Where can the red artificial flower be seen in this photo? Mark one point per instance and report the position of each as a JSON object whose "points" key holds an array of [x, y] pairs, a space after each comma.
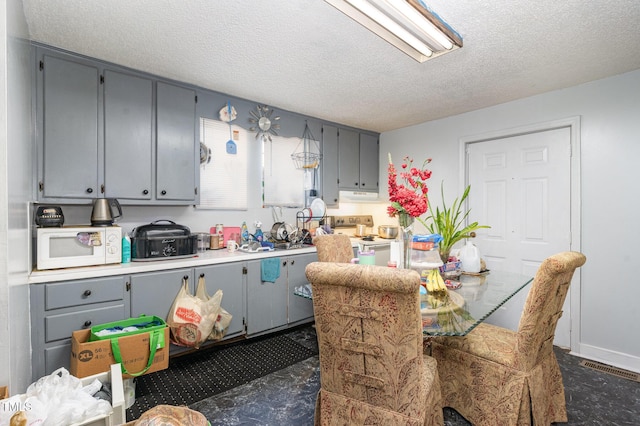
{"points": [[411, 196]]}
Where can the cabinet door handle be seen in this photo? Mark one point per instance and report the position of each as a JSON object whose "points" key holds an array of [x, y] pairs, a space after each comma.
{"points": [[163, 192], [87, 323], [87, 293], [145, 192], [292, 262], [362, 184], [89, 190], [284, 263], [356, 183], [201, 275]]}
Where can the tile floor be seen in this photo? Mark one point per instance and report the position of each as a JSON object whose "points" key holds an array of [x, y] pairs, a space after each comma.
{"points": [[287, 397]]}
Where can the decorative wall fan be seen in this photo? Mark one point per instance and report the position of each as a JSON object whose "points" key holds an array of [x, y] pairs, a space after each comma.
{"points": [[265, 126]]}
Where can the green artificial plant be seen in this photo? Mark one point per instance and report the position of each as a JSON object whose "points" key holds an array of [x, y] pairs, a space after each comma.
{"points": [[450, 223]]}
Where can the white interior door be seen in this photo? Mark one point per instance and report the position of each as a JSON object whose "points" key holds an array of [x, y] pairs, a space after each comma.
{"points": [[521, 187]]}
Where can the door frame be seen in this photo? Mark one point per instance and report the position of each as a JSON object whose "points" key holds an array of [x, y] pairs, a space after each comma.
{"points": [[573, 123]]}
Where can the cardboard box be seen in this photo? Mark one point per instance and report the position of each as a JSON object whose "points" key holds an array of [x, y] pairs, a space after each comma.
{"points": [[88, 358], [118, 415]]}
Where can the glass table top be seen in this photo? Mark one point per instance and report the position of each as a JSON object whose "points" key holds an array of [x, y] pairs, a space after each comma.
{"points": [[479, 296]]}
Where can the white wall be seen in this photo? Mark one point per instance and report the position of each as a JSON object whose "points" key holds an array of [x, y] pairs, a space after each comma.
{"points": [[15, 170], [610, 147], [4, 288]]}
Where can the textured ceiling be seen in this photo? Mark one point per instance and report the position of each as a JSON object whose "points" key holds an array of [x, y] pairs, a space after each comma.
{"points": [[307, 57]]}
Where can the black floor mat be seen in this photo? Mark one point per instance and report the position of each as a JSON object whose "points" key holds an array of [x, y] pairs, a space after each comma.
{"points": [[194, 377]]}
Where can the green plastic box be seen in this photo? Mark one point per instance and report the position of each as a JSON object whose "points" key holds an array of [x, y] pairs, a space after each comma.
{"points": [[145, 323]]}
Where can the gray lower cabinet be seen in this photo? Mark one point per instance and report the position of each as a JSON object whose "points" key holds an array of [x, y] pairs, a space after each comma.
{"points": [[153, 293], [257, 307], [266, 301], [58, 309], [300, 309], [230, 278], [271, 306]]}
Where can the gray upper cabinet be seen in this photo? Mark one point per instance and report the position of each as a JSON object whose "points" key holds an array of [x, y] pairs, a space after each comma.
{"points": [[369, 162], [103, 131], [357, 161], [348, 159], [128, 136], [70, 98], [330, 166], [176, 148]]}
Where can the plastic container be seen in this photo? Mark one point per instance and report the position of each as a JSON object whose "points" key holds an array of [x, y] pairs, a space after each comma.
{"points": [[470, 258], [126, 249], [258, 234], [244, 234]]}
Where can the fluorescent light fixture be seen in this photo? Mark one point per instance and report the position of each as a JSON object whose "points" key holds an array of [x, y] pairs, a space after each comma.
{"points": [[407, 24]]}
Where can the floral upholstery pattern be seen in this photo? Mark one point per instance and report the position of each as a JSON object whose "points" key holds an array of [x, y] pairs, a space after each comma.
{"points": [[494, 376], [333, 248], [372, 367]]}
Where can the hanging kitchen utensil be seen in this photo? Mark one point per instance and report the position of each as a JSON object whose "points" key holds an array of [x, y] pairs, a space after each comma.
{"points": [[228, 114], [309, 156]]}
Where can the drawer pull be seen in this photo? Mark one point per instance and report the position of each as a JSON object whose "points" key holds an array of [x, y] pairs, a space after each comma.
{"points": [[87, 293], [87, 324]]}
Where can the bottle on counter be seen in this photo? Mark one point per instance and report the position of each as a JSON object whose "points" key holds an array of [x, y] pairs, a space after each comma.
{"points": [[244, 234], [126, 249], [258, 234]]}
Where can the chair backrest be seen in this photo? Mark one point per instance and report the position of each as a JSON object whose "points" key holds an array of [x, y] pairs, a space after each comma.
{"points": [[543, 307], [369, 330], [333, 248]]}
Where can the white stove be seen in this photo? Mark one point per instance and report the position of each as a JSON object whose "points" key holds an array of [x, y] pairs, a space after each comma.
{"points": [[371, 241]]}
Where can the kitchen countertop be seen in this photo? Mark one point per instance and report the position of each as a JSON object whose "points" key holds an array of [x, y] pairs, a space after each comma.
{"points": [[210, 257]]}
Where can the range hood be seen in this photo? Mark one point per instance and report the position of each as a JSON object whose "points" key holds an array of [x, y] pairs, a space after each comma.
{"points": [[358, 197]]}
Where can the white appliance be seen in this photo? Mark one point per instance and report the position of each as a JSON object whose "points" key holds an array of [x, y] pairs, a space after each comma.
{"points": [[358, 197], [348, 224], [71, 246]]}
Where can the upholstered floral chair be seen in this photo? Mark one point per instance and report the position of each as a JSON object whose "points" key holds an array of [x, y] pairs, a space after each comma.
{"points": [[372, 367], [494, 376], [333, 248]]}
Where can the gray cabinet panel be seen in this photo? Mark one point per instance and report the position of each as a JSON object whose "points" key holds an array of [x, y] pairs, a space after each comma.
{"points": [[176, 143], [229, 278], [82, 292], [330, 166], [55, 357], [60, 326], [70, 129], [128, 136], [266, 302], [348, 159], [153, 293], [369, 162], [299, 307]]}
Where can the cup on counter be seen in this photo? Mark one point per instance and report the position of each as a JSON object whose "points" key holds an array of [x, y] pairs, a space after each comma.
{"points": [[365, 258], [232, 246], [214, 241]]}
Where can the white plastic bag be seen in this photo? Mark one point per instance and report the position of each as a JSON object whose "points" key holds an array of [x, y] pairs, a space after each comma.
{"points": [[223, 319], [191, 319], [58, 399]]}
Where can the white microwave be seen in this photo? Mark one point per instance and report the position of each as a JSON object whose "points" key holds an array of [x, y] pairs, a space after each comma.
{"points": [[71, 246]]}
